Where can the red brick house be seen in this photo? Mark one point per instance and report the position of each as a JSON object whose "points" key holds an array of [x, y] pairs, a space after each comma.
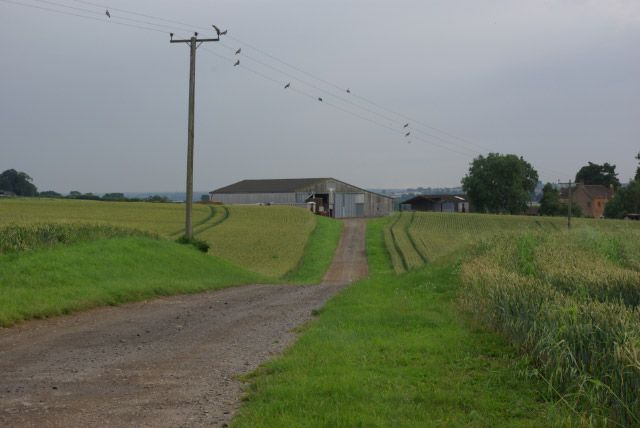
{"points": [[591, 198]]}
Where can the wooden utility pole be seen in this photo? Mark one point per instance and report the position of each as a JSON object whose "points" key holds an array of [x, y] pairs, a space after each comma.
{"points": [[569, 206], [193, 43], [569, 203]]}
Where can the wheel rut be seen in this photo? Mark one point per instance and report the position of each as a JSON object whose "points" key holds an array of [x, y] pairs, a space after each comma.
{"points": [[163, 362]]}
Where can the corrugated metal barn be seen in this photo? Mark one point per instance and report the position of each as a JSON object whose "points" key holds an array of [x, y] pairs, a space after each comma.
{"points": [[326, 196]]}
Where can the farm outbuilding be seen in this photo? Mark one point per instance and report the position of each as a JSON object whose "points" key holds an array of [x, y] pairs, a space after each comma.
{"points": [[326, 196], [439, 203]]}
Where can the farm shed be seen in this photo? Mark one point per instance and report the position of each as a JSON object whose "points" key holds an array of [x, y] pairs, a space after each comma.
{"points": [[326, 196], [439, 203]]}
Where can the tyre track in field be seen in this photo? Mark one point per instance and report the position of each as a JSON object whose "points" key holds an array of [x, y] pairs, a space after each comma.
{"points": [[163, 362]]}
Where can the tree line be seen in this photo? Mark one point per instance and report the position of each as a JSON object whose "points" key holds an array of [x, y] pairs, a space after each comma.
{"points": [[21, 184], [505, 183]]}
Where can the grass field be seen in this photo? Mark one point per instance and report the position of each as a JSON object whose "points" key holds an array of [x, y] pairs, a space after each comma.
{"points": [[268, 240], [64, 279], [59, 256], [396, 351], [421, 237], [163, 219], [568, 299]]}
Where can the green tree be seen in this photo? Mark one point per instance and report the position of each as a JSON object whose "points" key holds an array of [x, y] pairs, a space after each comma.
{"points": [[500, 183], [598, 174], [625, 201], [637, 177], [550, 202], [17, 182]]}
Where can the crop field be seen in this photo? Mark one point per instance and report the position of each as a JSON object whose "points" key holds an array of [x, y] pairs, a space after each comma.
{"points": [[268, 240], [570, 300], [415, 238], [58, 256], [163, 219]]}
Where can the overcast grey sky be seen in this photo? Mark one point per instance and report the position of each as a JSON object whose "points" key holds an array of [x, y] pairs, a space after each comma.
{"points": [[93, 106]]}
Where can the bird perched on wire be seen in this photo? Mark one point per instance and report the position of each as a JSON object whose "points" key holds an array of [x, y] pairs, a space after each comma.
{"points": [[405, 125], [287, 85], [236, 63], [218, 32], [320, 99], [106, 12], [407, 134], [238, 51]]}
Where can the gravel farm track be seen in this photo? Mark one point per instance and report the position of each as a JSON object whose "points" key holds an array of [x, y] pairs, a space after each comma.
{"points": [[163, 362]]}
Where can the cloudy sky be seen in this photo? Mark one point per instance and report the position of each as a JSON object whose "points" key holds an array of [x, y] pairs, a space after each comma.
{"points": [[90, 105]]}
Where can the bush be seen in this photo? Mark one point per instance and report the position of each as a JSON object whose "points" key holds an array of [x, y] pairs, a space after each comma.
{"points": [[198, 243]]}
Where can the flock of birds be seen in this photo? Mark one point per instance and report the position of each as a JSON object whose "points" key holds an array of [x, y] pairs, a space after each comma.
{"points": [[287, 86]]}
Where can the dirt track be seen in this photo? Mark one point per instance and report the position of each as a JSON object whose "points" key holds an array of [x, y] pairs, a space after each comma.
{"points": [[163, 362]]}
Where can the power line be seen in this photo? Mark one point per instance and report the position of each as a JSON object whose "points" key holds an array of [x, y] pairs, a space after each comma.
{"points": [[337, 107], [61, 12], [413, 121], [300, 70], [102, 13]]}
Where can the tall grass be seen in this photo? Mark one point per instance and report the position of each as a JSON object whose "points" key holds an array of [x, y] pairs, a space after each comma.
{"points": [[572, 308], [18, 238]]}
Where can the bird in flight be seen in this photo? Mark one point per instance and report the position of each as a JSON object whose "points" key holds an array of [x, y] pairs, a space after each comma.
{"points": [[348, 91], [287, 85], [320, 99], [107, 13], [236, 63], [238, 51], [218, 32], [405, 125], [407, 134]]}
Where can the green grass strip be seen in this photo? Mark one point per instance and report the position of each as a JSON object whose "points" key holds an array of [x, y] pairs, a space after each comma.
{"points": [[318, 252], [65, 279], [394, 351]]}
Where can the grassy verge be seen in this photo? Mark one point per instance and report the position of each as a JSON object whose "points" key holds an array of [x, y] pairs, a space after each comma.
{"points": [[64, 279], [18, 238], [318, 253], [395, 351]]}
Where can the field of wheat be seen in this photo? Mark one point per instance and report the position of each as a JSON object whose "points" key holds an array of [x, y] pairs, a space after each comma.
{"points": [[163, 219], [570, 299], [268, 240]]}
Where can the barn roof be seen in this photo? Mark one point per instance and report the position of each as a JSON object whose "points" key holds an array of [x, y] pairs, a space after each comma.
{"points": [[282, 185], [593, 191]]}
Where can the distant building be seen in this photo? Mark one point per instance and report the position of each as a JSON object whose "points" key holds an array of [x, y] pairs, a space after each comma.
{"points": [[326, 196], [591, 198], [438, 203], [6, 194]]}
